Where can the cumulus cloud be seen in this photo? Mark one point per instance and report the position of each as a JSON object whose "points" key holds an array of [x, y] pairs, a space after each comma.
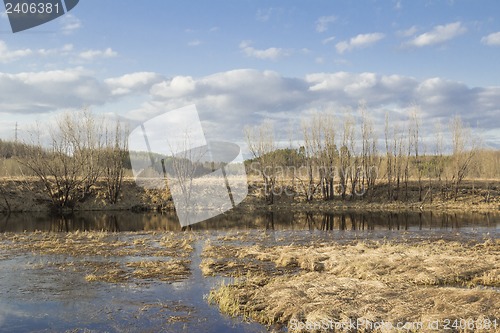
{"points": [[438, 35], [132, 83], [324, 22], [90, 55], [38, 92], [272, 53], [492, 39], [407, 32], [359, 41], [227, 101], [8, 55]]}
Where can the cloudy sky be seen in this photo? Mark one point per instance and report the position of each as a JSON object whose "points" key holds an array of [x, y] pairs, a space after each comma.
{"points": [[243, 61]]}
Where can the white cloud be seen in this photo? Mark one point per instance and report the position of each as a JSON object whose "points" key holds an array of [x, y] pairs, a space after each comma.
{"points": [[323, 23], [407, 32], [38, 92], [228, 101], [94, 54], [177, 87], [439, 34], [132, 83], [7, 55], [492, 39], [272, 53], [70, 24], [328, 40], [359, 41], [237, 98], [62, 51]]}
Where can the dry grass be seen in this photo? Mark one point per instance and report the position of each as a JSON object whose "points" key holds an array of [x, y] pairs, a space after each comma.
{"points": [[172, 270], [109, 257], [393, 282]]}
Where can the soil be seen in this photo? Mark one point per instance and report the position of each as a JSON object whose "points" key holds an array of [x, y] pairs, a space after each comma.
{"points": [[26, 195]]}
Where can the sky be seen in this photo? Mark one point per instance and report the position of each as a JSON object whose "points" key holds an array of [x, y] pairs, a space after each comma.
{"points": [[241, 62]]}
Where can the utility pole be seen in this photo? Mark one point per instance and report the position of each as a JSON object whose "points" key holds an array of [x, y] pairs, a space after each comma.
{"points": [[15, 134]]}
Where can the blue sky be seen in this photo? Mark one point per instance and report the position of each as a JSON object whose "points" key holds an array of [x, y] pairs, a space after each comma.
{"points": [[242, 61]]}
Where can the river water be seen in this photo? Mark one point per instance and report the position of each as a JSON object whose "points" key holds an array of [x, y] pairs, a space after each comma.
{"points": [[36, 296], [235, 220]]}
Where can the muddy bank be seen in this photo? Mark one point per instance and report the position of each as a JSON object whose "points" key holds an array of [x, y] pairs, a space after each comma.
{"points": [[305, 286], [27, 195]]}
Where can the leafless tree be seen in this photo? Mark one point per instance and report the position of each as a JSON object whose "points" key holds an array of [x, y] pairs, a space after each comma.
{"points": [[114, 157], [68, 157], [465, 148], [261, 143], [346, 154], [310, 157], [389, 158], [368, 151]]}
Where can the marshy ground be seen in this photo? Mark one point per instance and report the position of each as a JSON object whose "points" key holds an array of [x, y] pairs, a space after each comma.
{"points": [[299, 283], [287, 280]]}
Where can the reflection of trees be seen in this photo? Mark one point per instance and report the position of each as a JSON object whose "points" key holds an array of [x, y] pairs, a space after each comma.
{"points": [[4, 223], [242, 220], [270, 221], [69, 223]]}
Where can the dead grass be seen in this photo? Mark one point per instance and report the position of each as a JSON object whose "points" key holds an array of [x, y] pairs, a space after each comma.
{"points": [[109, 257], [395, 281], [172, 270]]}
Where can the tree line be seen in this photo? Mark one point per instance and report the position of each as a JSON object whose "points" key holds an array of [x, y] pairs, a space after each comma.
{"points": [[344, 157]]}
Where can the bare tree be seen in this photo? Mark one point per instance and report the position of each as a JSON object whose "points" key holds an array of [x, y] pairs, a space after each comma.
{"points": [[465, 148], [399, 159], [329, 156], [415, 133], [57, 166], [389, 158], [368, 151], [310, 157], [84, 134], [346, 154], [114, 156], [261, 143], [72, 157]]}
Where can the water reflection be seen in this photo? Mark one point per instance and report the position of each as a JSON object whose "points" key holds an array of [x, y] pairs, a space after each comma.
{"points": [[269, 220]]}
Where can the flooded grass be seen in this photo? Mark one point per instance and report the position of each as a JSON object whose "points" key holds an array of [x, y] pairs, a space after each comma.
{"points": [[121, 257], [395, 281], [284, 280]]}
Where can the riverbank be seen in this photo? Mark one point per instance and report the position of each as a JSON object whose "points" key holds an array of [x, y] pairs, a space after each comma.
{"points": [[26, 195]]}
